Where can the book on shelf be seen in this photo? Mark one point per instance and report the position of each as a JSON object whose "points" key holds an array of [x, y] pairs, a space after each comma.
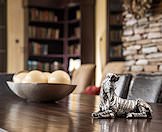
{"points": [[70, 49], [116, 51], [116, 5], [36, 65], [56, 65], [77, 49], [42, 15], [44, 66], [78, 14], [77, 32], [115, 35], [116, 19], [38, 49], [43, 33], [55, 34], [74, 49]]}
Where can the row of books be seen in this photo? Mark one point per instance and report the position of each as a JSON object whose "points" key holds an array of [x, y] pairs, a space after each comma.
{"points": [[36, 65], [115, 19], [116, 51], [46, 33], [76, 32], [42, 15], [74, 49], [44, 66], [38, 49], [115, 35], [56, 65]]}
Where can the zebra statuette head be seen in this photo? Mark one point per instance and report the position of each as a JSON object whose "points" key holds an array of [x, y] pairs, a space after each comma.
{"points": [[112, 77], [109, 82]]}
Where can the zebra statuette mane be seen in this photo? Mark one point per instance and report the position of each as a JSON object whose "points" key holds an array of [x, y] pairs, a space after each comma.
{"points": [[112, 106]]}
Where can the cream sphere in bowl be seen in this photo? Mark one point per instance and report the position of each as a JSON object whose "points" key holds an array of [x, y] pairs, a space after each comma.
{"points": [[18, 77], [34, 76], [60, 77], [46, 75]]}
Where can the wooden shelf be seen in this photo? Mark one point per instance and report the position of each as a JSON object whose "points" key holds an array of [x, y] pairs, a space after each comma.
{"points": [[73, 39], [116, 59], [46, 24], [54, 40], [46, 58], [114, 43], [114, 12], [73, 56], [116, 26], [53, 24], [44, 40], [74, 21]]}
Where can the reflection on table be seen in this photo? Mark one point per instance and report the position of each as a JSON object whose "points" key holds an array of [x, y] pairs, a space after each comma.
{"points": [[72, 114]]}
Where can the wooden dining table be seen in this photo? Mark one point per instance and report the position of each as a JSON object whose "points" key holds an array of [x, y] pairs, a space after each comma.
{"points": [[72, 114]]}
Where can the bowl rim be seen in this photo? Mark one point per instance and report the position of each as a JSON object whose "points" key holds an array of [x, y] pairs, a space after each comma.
{"points": [[43, 83]]}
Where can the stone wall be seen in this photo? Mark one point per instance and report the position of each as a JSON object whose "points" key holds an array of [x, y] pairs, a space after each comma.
{"points": [[142, 42]]}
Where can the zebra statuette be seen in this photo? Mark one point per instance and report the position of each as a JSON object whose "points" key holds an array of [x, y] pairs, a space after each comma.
{"points": [[112, 106]]}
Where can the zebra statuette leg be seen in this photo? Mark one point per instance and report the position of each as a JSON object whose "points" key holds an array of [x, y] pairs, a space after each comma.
{"points": [[103, 114]]}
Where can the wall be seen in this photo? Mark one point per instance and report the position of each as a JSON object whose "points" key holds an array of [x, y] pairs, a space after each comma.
{"points": [[15, 33], [100, 38], [143, 43]]}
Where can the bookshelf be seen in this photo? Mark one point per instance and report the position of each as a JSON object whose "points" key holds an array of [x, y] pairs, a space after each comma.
{"points": [[53, 35], [57, 32], [114, 30]]}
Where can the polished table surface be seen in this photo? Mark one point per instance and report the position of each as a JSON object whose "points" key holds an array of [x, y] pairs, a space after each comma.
{"points": [[72, 114]]}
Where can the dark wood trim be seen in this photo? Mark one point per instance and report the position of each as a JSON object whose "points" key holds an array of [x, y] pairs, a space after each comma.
{"points": [[44, 3], [107, 31], [88, 34], [56, 3], [3, 36]]}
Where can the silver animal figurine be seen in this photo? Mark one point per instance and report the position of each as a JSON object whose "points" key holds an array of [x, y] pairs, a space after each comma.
{"points": [[112, 106]]}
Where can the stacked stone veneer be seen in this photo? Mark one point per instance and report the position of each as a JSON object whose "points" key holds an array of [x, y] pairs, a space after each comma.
{"points": [[142, 42]]}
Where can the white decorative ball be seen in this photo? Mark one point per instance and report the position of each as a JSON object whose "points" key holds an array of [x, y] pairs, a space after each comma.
{"points": [[34, 76], [17, 78], [59, 76]]}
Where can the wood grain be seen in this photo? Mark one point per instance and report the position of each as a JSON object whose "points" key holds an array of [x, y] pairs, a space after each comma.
{"points": [[73, 114]]}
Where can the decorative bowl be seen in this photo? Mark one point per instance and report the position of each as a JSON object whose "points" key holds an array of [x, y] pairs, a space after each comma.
{"points": [[39, 92]]}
